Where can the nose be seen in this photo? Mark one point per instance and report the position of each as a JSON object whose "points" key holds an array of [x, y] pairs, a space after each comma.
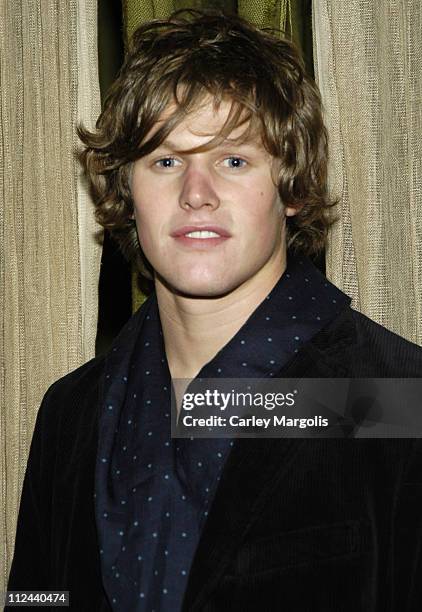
{"points": [[198, 190]]}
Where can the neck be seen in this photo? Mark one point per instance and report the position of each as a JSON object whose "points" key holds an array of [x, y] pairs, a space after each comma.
{"points": [[195, 329]]}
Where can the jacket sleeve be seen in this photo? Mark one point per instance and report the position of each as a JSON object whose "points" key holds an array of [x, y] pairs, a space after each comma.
{"points": [[30, 566], [406, 562]]}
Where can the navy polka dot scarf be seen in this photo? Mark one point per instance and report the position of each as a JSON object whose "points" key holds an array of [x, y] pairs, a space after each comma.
{"points": [[153, 493]]}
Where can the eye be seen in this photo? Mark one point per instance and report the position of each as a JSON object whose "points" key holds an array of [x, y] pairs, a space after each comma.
{"points": [[235, 162], [166, 162]]}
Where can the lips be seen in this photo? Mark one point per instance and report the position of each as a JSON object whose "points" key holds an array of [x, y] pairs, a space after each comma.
{"points": [[188, 229], [200, 237]]}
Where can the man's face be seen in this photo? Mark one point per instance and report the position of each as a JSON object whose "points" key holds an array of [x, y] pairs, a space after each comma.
{"points": [[209, 222]]}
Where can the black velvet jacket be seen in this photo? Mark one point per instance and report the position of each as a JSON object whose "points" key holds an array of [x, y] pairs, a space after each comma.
{"points": [[296, 525]]}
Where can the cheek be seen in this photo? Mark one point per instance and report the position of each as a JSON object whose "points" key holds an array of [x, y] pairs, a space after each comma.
{"points": [[147, 228], [147, 214], [263, 207], [266, 220]]}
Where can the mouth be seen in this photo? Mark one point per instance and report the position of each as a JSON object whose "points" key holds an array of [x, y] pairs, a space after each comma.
{"points": [[200, 237], [202, 234]]}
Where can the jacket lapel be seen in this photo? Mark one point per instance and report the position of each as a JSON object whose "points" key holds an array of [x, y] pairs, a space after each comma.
{"points": [[254, 466], [248, 477]]}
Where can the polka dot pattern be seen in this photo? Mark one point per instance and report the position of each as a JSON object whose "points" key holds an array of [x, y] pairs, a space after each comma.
{"points": [[153, 494]]}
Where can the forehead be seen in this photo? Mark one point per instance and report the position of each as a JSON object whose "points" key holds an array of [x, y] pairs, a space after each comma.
{"points": [[211, 124]]}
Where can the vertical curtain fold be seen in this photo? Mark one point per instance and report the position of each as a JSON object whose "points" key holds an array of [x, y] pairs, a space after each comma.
{"points": [[268, 14], [368, 64], [89, 232], [49, 256]]}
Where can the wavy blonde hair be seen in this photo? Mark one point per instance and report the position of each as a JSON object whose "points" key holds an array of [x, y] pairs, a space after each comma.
{"points": [[179, 62]]}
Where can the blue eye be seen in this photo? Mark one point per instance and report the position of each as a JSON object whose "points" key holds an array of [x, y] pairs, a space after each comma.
{"points": [[166, 162], [236, 162]]}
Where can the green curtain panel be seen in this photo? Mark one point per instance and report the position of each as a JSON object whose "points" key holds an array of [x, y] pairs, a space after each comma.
{"points": [[300, 27], [270, 14], [136, 12]]}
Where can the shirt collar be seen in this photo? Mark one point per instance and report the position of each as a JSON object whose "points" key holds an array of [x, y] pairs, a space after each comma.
{"points": [[301, 303]]}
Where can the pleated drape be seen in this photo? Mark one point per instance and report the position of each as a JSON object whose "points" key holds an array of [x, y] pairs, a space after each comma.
{"points": [[368, 64], [50, 251]]}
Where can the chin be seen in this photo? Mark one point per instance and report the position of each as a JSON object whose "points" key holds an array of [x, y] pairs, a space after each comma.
{"points": [[202, 290], [205, 286]]}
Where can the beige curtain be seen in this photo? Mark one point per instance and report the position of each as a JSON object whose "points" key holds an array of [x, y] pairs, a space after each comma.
{"points": [[368, 63], [49, 248]]}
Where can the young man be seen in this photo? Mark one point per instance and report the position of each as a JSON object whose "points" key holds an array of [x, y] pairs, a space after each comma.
{"points": [[211, 150]]}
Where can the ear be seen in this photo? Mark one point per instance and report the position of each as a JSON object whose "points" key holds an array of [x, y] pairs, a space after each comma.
{"points": [[289, 211]]}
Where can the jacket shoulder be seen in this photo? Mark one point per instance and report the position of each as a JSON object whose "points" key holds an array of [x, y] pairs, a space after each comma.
{"points": [[71, 402], [83, 378], [381, 352], [354, 346]]}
